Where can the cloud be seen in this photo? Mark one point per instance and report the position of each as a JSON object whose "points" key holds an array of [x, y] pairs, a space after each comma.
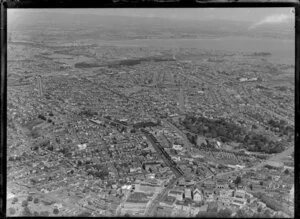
{"points": [[272, 19]]}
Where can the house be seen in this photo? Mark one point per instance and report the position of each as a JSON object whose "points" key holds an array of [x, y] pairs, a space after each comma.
{"points": [[222, 184], [248, 195], [258, 188], [225, 197], [187, 194], [201, 141], [196, 154], [180, 205], [253, 180], [177, 194], [239, 200], [210, 198], [164, 211], [181, 182], [194, 211], [177, 147], [224, 201], [275, 178], [208, 192], [239, 193], [168, 201], [226, 193], [58, 205], [175, 158], [209, 184], [263, 205], [189, 182], [197, 195]]}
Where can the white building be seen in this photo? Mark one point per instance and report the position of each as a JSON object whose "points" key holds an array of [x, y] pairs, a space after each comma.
{"points": [[197, 195], [188, 193], [177, 147]]}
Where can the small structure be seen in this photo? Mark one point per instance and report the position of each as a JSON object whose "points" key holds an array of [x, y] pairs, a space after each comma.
{"points": [[177, 147], [82, 146], [187, 194]]}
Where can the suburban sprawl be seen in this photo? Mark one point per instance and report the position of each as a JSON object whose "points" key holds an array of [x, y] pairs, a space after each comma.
{"points": [[122, 130]]}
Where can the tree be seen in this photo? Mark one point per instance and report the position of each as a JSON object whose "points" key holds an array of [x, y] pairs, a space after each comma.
{"points": [[33, 181], [44, 213], [238, 180], [286, 171], [79, 163], [207, 215], [84, 214], [36, 200], [26, 212], [231, 186], [271, 203], [226, 213], [257, 215], [29, 198], [251, 186], [36, 213], [12, 211], [241, 214], [267, 213], [55, 211], [259, 209], [24, 203], [15, 200], [50, 148]]}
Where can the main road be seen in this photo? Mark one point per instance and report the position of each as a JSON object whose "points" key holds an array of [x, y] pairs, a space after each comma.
{"points": [[154, 203]]}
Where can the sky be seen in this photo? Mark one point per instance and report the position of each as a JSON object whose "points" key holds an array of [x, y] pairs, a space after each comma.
{"points": [[258, 16]]}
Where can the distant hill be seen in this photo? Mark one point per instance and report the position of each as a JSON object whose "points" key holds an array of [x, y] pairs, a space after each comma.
{"points": [[43, 20]]}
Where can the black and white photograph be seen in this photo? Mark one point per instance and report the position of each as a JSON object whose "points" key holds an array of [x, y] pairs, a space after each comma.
{"points": [[151, 112]]}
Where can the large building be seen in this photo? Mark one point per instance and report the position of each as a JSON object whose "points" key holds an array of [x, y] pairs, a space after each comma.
{"points": [[197, 195], [209, 184], [178, 194], [147, 188], [239, 200]]}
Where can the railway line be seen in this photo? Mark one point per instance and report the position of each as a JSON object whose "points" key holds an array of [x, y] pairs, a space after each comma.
{"points": [[165, 156]]}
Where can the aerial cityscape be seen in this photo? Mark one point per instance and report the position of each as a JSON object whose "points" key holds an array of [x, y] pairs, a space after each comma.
{"points": [[151, 112]]}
